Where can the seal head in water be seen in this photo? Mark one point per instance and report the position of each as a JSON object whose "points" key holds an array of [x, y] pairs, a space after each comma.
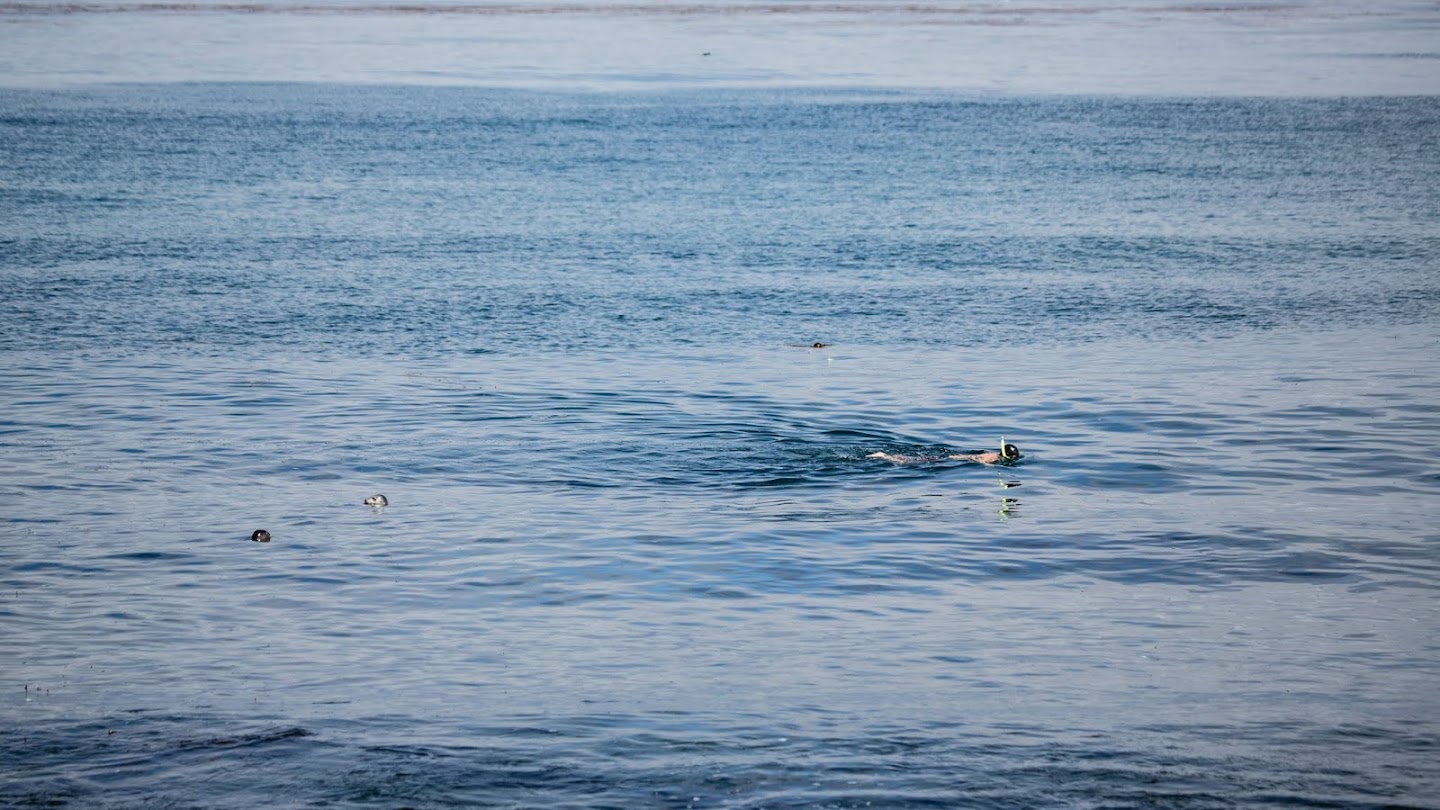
{"points": [[376, 500]]}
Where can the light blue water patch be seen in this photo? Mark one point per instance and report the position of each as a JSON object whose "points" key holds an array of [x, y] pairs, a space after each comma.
{"points": [[1091, 47]]}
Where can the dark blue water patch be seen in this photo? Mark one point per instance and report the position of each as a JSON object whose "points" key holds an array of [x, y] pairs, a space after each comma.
{"points": [[154, 556], [478, 221], [962, 305], [680, 760], [1126, 475], [121, 755], [35, 566]]}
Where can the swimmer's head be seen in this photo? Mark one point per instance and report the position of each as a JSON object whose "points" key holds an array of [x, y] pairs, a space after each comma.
{"points": [[1009, 452], [260, 536]]}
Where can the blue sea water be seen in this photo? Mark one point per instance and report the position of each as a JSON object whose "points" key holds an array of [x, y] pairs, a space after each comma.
{"points": [[635, 553]]}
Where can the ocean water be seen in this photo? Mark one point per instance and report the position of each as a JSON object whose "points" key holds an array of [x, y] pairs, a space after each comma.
{"points": [[1167, 48], [635, 552]]}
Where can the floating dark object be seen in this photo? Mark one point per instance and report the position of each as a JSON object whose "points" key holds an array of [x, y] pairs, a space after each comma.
{"points": [[260, 536]]}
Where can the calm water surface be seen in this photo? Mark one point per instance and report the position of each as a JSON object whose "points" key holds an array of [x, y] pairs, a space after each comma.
{"points": [[1089, 47], [635, 554]]}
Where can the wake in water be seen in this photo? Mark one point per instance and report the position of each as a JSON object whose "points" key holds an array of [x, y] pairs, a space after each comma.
{"points": [[788, 452]]}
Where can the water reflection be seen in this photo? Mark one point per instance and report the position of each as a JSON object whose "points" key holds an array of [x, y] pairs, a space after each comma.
{"points": [[1008, 505]]}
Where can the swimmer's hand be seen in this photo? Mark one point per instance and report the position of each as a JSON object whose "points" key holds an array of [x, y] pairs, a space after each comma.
{"points": [[891, 458]]}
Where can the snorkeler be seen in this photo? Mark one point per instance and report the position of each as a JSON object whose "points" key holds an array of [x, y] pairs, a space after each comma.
{"points": [[1007, 454]]}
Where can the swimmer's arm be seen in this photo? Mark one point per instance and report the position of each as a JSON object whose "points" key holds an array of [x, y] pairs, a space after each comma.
{"points": [[991, 457], [988, 457]]}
